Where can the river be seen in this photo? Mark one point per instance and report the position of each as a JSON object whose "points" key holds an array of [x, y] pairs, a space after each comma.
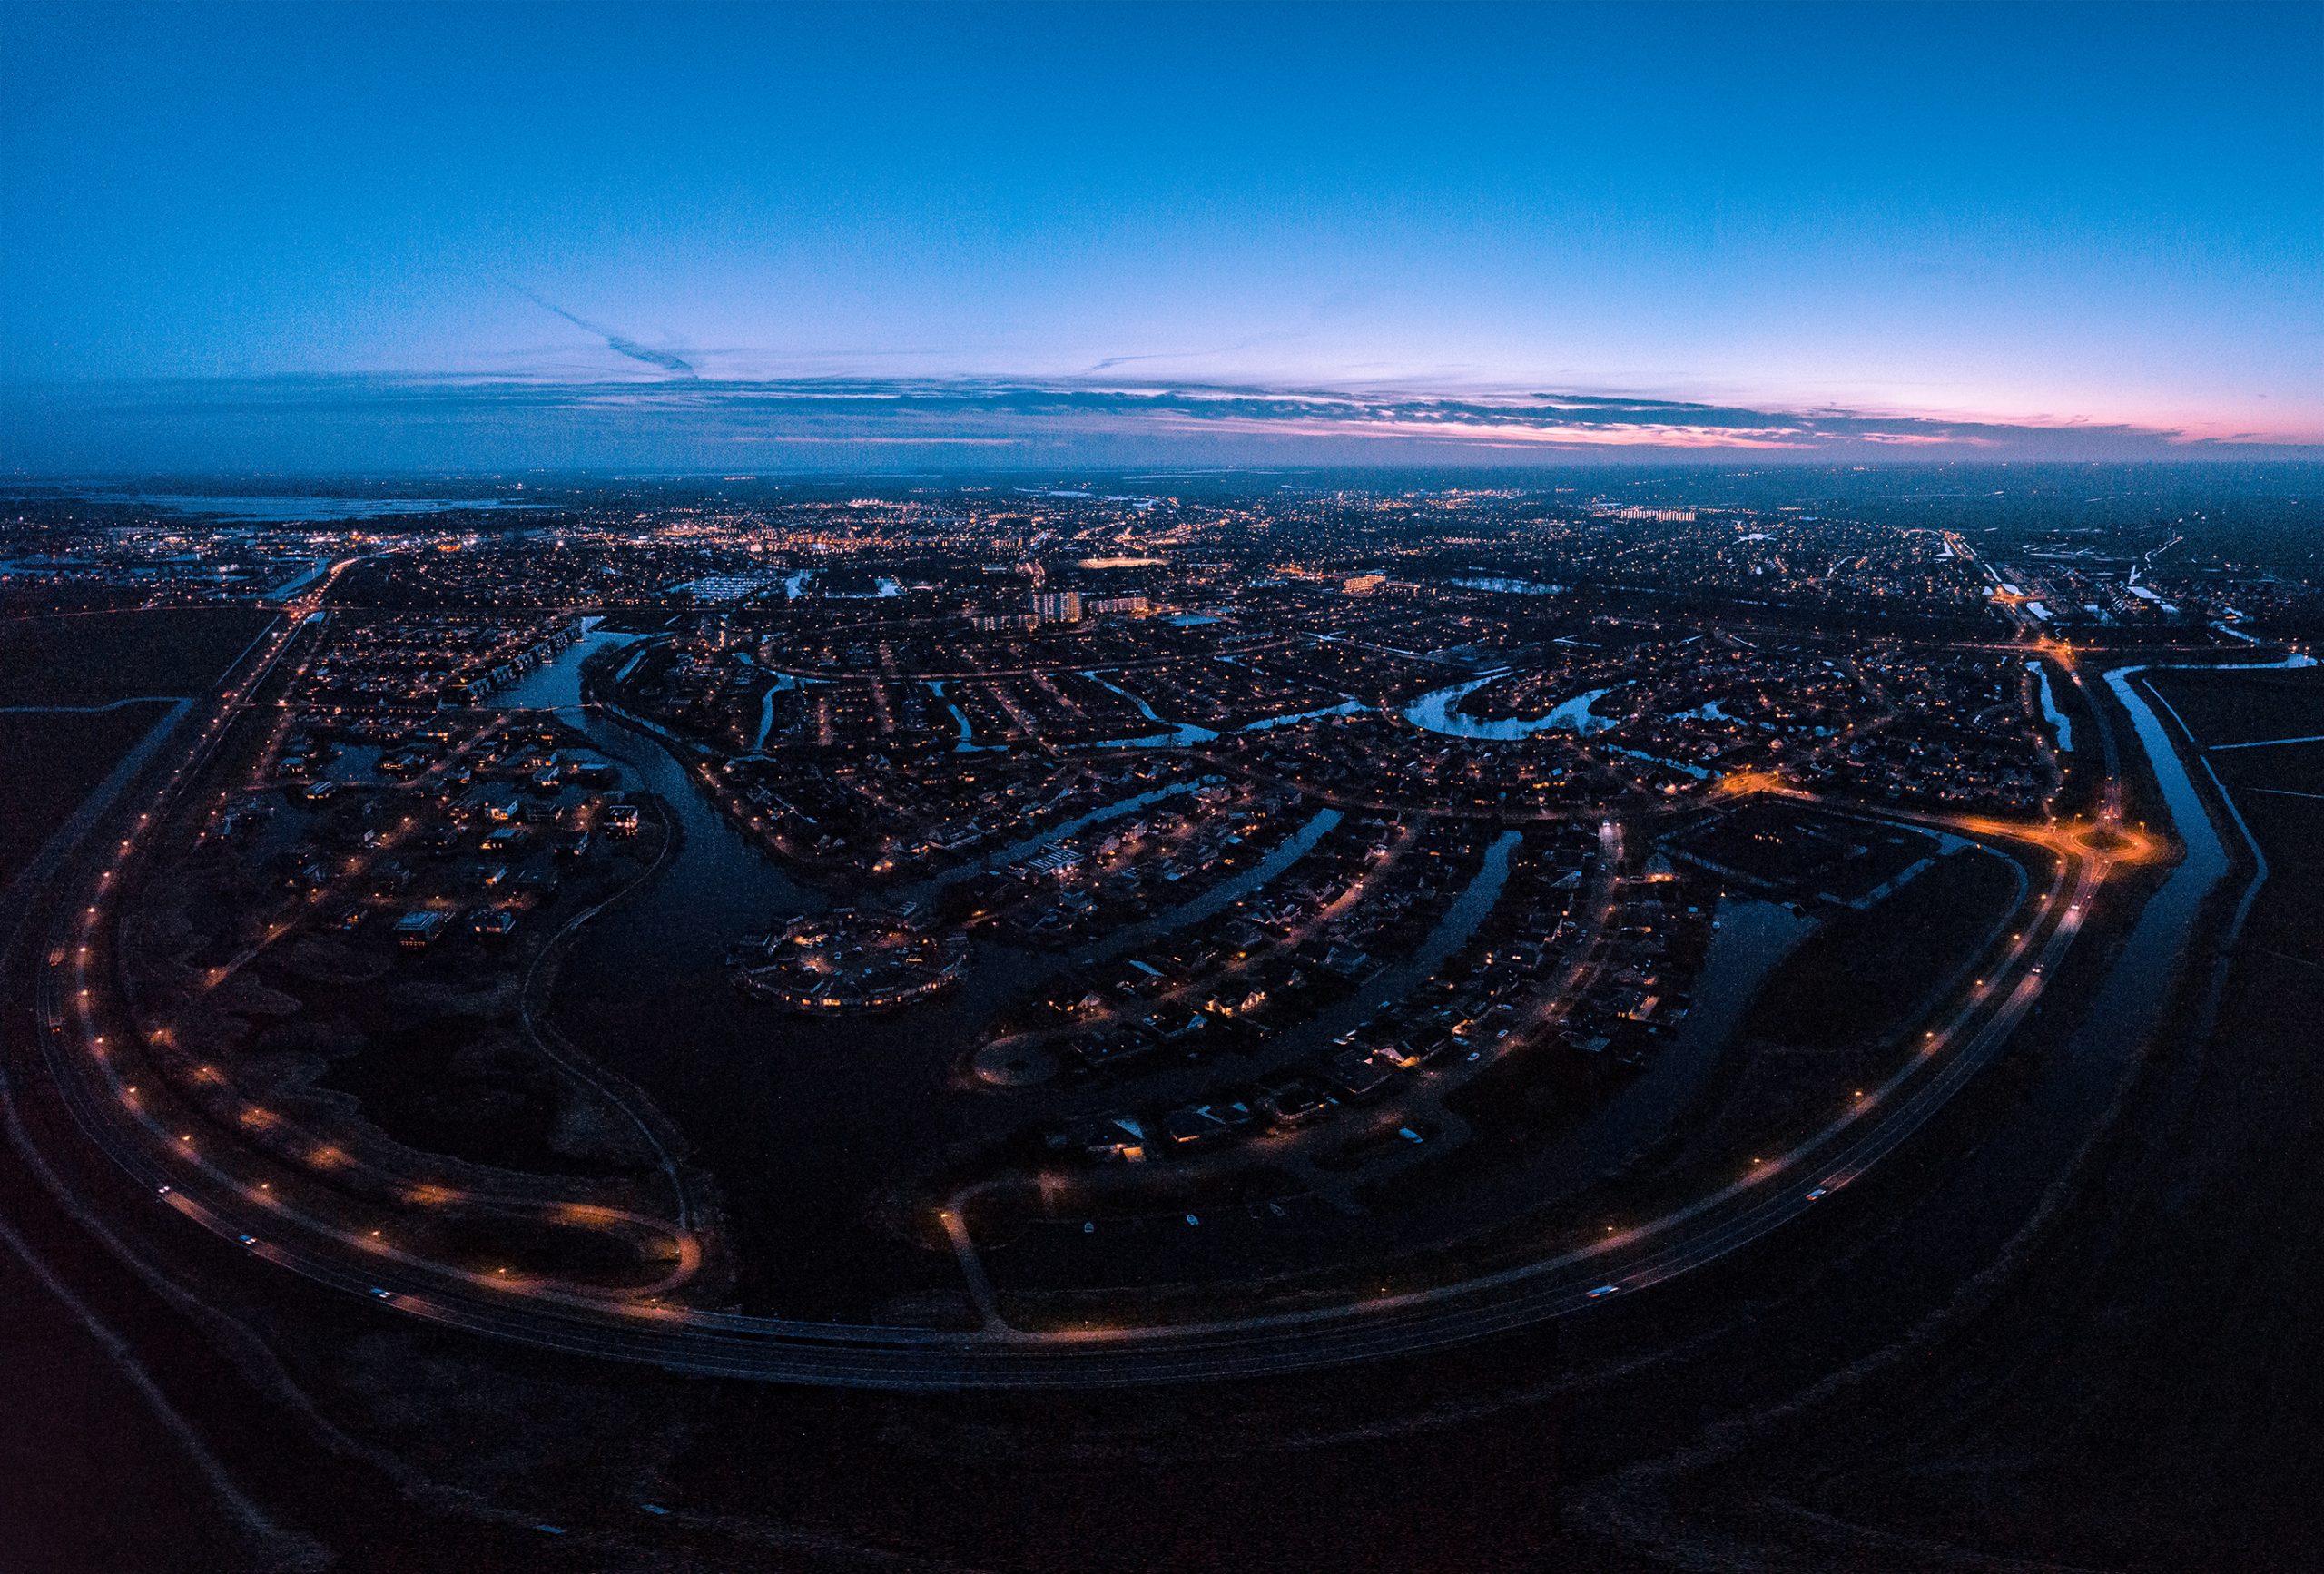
{"points": [[1438, 711], [2073, 1085], [2057, 718], [1751, 938], [803, 1120], [556, 684]]}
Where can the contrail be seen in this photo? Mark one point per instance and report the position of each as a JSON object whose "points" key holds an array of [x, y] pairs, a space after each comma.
{"points": [[614, 341], [1254, 341]]}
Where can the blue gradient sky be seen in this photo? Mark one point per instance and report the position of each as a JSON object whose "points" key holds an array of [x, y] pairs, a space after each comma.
{"points": [[2020, 217]]}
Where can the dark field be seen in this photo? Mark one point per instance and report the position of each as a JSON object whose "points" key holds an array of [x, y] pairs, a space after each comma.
{"points": [[56, 758], [1800, 854], [1864, 972], [2145, 1399], [53, 760], [94, 658], [2228, 707], [457, 1087], [94, 1479], [2278, 790]]}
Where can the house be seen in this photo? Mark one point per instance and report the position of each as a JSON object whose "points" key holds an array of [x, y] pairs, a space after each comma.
{"points": [[1357, 1076], [417, 930], [1114, 1140], [1199, 1125], [492, 923]]}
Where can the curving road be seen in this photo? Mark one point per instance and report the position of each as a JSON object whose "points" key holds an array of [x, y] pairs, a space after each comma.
{"points": [[70, 990]]}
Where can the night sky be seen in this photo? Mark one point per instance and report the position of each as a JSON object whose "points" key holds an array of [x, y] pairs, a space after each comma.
{"points": [[777, 237]]}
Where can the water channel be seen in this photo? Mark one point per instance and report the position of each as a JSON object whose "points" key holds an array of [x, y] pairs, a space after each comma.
{"points": [[803, 1120], [2057, 718], [1439, 710], [555, 683]]}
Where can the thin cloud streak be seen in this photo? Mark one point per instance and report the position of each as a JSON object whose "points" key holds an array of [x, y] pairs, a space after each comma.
{"points": [[1254, 341], [619, 344]]}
